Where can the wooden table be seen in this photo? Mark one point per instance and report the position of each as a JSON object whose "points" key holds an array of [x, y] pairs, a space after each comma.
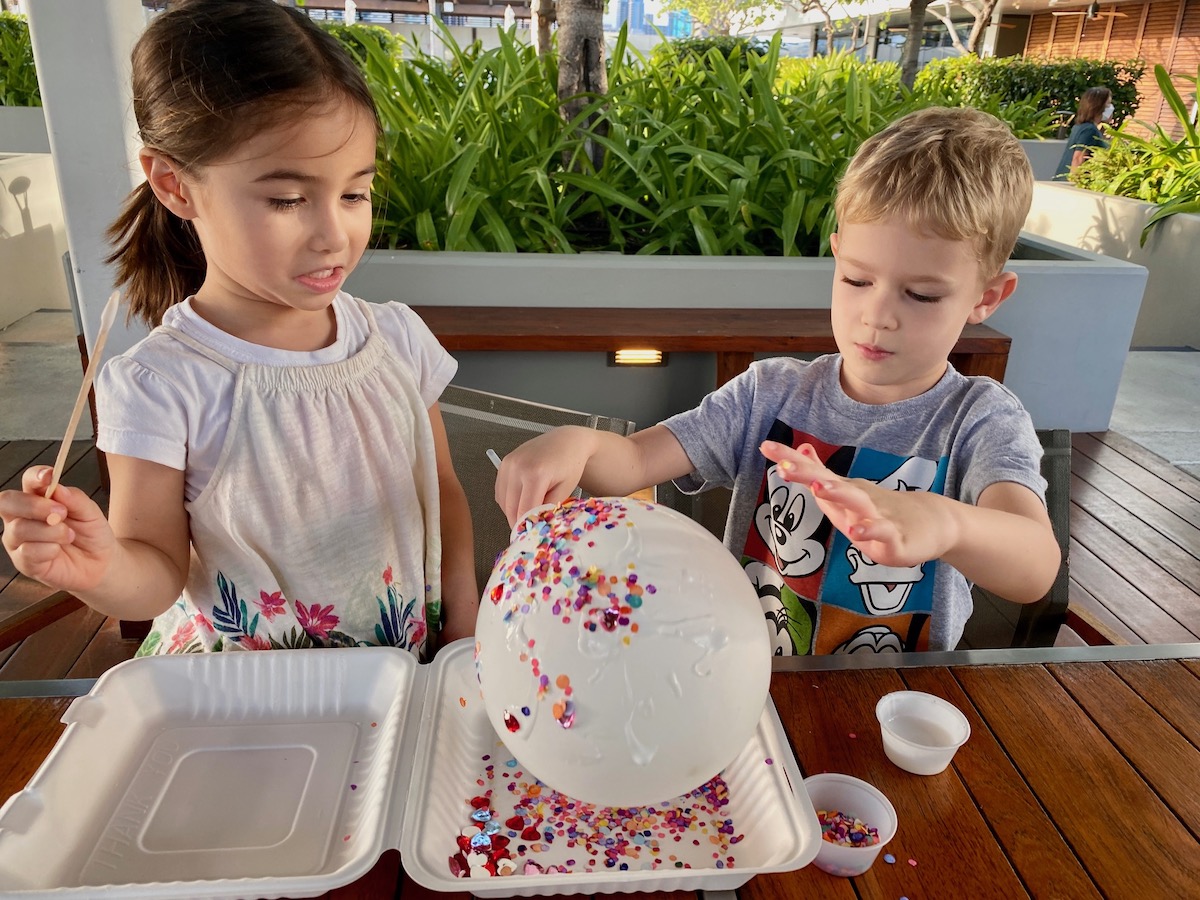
{"points": [[1081, 777], [734, 335]]}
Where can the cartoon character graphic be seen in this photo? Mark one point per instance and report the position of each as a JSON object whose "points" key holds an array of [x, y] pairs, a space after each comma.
{"points": [[872, 639], [885, 589], [787, 521], [791, 620]]}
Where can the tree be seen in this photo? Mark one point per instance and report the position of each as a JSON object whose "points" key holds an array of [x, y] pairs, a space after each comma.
{"points": [[581, 67], [982, 11], [910, 61], [725, 16]]}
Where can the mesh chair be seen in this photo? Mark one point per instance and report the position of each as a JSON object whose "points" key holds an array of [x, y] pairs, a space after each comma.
{"points": [[477, 421], [999, 623]]}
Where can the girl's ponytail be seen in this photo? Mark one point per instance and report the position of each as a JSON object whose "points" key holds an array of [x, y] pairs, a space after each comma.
{"points": [[157, 255]]}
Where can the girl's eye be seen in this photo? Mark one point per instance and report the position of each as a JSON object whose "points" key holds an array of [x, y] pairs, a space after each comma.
{"points": [[853, 283], [284, 203], [923, 298], [356, 198]]}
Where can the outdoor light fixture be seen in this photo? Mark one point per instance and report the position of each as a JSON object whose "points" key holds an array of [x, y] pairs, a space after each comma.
{"points": [[637, 357]]}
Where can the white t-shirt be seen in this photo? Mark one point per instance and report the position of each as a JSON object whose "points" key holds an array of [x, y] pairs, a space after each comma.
{"points": [[164, 403]]}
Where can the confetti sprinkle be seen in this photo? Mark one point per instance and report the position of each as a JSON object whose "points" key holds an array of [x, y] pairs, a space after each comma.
{"points": [[889, 859], [846, 831], [462, 701], [769, 761], [912, 862], [517, 817]]}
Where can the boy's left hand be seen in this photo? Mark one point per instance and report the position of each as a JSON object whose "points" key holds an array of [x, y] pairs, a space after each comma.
{"points": [[894, 528]]}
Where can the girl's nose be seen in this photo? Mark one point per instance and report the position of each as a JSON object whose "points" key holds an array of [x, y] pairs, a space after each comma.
{"points": [[330, 233]]}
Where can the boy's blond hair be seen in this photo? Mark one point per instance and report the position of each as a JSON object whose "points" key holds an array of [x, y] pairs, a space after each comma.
{"points": [[958, 173]]}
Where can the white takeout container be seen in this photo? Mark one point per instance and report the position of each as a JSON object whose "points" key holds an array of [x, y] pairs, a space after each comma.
{"points": [[921, 732], [288, 773], [858, 799]]}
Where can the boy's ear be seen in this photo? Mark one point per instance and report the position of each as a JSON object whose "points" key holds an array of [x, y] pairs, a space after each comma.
{"points": [[165, 178], [995, 292], [833, 243]]}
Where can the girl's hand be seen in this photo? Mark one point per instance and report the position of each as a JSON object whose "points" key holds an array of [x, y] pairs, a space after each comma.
{"points": [[894, 528], [65, 543]]}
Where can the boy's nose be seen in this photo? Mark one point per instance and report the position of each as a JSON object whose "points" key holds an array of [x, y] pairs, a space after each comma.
{"points": [[878, 312]]}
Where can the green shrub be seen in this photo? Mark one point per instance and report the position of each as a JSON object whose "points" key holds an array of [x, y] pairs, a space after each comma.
{"points": [[971, 81], [18, 80], [1156, 168], [704, 153], [729, 46]]}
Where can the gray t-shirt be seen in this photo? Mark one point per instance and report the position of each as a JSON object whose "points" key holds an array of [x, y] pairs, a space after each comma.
{"points": [[821, 593]]}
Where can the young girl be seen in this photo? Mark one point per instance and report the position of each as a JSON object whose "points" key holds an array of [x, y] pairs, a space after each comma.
{"points": [[279, 467]]}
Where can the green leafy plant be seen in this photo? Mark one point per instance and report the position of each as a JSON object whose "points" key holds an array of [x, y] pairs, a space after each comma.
{"points": [[705, 152], [18, 79], [1056, 83], [1158, 167]]}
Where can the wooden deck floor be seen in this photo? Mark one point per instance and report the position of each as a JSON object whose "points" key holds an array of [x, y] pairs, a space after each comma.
{"points": [[1134, 558]]}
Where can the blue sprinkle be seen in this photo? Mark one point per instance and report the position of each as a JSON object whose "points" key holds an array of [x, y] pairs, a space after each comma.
{"points": [[890, 860], [481, 840], [481, 815]]}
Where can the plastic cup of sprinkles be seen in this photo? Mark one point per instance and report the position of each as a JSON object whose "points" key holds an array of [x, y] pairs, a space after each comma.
{"points": [[857, 820]]}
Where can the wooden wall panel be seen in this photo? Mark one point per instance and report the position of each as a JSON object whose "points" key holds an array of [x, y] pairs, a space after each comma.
{"points": [[1123, 39], [1038, 43]]}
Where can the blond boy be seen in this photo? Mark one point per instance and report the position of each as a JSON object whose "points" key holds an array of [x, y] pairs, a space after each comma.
{"points": [[871, 487]]}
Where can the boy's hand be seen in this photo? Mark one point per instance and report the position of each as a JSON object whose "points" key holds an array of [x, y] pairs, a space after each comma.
{"points": [[65, 543], [543, 470], [893, 528]]}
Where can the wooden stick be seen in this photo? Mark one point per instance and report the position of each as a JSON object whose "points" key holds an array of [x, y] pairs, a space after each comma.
{"points": [[106, 320]]}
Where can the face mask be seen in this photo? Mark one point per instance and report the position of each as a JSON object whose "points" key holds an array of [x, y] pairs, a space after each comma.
{"points": [[1108, 111]]}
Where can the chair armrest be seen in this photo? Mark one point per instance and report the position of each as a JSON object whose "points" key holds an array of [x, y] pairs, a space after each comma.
{"points": [[37, 616]]}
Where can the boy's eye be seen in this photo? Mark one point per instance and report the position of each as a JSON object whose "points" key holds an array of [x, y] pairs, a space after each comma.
{"points": [[923, 298], [284, 203], [853, 282]]}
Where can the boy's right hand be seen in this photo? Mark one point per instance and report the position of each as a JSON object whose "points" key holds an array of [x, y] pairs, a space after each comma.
{"points": [[543, 470], [65, 543]]}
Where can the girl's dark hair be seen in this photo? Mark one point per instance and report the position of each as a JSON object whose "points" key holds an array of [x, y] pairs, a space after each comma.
{"points": [[208, 75], [1092, 103]]}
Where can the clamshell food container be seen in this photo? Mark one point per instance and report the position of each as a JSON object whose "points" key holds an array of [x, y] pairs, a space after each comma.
{"points": [[288, 774]]}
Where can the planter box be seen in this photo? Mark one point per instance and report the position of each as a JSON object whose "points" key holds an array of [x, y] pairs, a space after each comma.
{"points": [[1100, 223], [23, 130], [1070, 320], [1043, 156]]}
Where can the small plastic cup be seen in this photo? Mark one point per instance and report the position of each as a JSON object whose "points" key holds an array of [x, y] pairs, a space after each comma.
{"points": [[854, 798], [921, 732]]}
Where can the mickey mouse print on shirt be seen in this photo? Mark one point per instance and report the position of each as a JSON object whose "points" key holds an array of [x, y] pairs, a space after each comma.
{"points": [[821, 593]]}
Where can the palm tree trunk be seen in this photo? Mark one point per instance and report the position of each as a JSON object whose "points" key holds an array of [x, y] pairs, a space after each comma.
{"points": [[912, 43], [581, 66]]}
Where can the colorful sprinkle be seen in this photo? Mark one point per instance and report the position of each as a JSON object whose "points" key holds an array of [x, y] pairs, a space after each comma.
{"points": [[889, 859], [846, 831], [912, 862]]}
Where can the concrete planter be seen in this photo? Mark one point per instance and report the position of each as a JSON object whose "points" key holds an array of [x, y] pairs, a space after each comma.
{"points": [[1070, 321], [1100, 223], [23, 130], [1043, 156]]}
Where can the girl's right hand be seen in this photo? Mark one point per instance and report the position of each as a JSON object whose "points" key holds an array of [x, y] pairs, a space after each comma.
{"points": [[65, 543]]}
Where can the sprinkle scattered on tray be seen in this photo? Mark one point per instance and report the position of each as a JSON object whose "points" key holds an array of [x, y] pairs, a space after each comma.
{"points": [[517, 824]]}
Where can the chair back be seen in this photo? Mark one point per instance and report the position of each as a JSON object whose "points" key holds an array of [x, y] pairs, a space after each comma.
{"points": [[997, 622], [477, 421]]}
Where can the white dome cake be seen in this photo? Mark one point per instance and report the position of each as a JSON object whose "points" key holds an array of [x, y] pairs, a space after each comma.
{"points": [[622, 653]]}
